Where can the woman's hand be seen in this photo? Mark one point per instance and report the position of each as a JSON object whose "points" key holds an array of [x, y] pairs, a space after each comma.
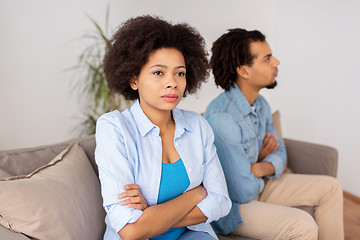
{"points": [[135, 198]]}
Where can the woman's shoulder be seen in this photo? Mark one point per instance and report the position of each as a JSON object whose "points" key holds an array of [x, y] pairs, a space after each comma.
{"points": [[110, 115], [115, 119], [115, 115]]}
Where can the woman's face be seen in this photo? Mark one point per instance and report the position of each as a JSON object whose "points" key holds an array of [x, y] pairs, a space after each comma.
{"points": [[162, 80]]}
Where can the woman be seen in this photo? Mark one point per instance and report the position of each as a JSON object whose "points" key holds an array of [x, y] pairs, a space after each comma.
{"points": [[160, 159]]}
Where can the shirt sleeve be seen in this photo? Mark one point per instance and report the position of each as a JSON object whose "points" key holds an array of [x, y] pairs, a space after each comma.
{"points": [[115, 171], [277, 158], [243, 186], [217, 204]]}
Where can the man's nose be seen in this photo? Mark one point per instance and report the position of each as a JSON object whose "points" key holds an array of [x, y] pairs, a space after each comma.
{"points": [[276, 62]]}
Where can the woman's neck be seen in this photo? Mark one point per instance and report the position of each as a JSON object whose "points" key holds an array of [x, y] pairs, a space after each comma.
{"points": [[161, 118]]}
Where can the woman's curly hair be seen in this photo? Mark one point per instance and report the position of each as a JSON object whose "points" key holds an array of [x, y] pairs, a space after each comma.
{"points": [[138, 37], [230, 51]]}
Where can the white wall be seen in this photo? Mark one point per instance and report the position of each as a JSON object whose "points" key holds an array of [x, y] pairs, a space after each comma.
{"points": [[36, 46], [40, 39], [316, 42], [318, 95]]}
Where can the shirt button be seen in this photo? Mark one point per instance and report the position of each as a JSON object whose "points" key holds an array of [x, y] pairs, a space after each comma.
{"points": [[255, 122], [259, 137], [177, 144]]}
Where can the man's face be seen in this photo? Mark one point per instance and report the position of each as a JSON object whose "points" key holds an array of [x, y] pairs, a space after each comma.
{"points": [[263, 71]]}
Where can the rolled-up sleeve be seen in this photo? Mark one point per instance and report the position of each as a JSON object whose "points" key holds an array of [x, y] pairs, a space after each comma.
{"points": [[217, 204], [115, 171]]}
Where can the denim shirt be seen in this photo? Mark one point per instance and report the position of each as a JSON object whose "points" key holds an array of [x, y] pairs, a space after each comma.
{"points": [[239, 131], [129, 151]]}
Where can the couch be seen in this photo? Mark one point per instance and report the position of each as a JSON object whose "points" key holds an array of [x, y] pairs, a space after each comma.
{"points": [[44, 191]]}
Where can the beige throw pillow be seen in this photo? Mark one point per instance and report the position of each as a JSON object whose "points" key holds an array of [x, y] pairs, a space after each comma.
{"points": [[60, 200], [277, 124]]}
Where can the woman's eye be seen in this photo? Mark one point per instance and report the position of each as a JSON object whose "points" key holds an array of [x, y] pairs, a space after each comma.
{"points": [[180, 74], [157, 73]]}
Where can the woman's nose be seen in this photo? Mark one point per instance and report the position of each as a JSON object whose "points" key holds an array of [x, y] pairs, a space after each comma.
{"points": [[171, 82]]}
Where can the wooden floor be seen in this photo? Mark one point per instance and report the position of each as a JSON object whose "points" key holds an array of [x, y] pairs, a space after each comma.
{"points": [[351, 217]]}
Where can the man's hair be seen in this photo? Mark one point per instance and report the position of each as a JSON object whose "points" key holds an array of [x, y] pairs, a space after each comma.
{"points": [[138, 37], [230, 51]]}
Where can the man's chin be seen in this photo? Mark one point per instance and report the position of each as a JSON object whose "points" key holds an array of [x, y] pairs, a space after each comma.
{"points": [[272, 85]]}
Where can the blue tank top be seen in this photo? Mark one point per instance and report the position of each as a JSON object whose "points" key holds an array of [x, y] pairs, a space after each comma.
{"points": [[174, 181]]}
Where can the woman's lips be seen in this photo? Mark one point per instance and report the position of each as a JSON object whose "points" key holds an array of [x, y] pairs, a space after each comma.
{"points": [[170, 97]]}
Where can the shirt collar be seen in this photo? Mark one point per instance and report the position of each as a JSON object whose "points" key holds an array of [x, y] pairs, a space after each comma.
{"points": [[145, 125], [181, 123], [256, 106], [242, 103]]}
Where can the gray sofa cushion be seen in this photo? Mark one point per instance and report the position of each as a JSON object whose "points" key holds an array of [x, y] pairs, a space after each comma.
{"points": [[26, 160], [62, 196]]}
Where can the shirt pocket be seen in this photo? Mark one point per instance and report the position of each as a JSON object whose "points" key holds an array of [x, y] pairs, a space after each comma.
{"points": [[250, 148]]}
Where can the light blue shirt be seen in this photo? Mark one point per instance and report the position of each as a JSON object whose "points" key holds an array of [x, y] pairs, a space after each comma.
{"points": [[239, 132], [129, 151]]}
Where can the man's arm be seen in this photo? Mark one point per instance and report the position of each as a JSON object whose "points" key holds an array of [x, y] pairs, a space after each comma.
{"points": [[243, 186], [278, 157], [263, 168], [269, 145]]}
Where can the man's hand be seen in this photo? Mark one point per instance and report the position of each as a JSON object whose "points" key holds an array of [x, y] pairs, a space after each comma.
{"points": [[269, 146], [135, 198], [262, 169]]}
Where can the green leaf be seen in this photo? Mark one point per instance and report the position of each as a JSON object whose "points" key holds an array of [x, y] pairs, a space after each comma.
{"points": [[90, 78]]}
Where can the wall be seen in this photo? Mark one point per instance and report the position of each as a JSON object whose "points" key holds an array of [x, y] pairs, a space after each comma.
{"points": [[316, 42], [38, 42], [318, 95], [40, 39]]}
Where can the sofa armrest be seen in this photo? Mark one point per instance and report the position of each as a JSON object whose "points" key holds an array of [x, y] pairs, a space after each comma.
{"points": [[310, 158], [9, 235]]}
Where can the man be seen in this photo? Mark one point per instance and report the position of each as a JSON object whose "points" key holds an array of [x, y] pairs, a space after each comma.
{"points": [[253, 157]]}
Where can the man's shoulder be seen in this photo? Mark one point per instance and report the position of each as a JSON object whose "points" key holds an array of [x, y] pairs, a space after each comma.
{"points": [[263, 100], [218, 104], [265, 106]]}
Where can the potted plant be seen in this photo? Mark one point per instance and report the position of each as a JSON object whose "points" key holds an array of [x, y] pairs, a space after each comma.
{"points": [[91, 78]]}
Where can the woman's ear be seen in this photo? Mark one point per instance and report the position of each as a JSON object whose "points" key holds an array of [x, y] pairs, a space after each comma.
{"points": [[133, 83], [243, 71]]}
